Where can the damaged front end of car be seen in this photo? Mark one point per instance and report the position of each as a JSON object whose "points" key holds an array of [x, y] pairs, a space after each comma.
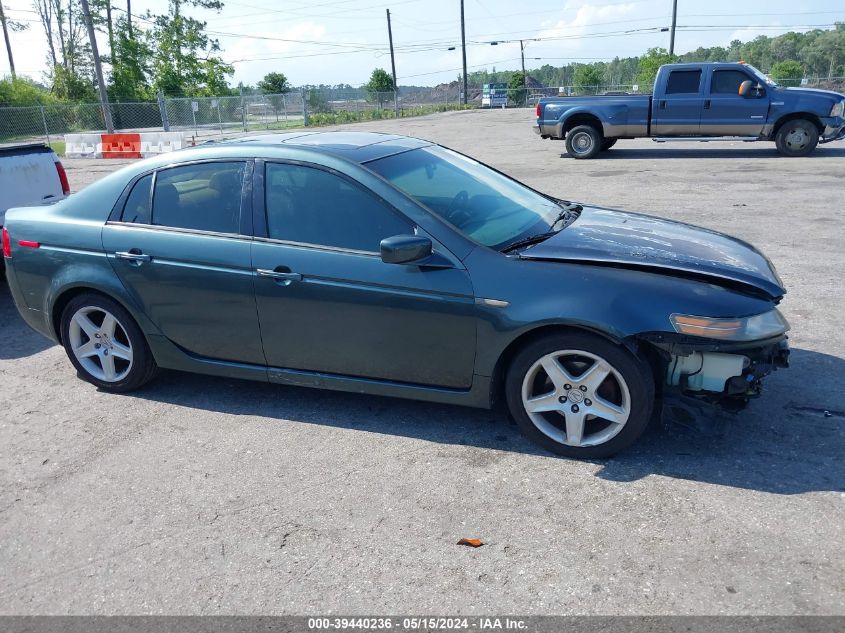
{"points": [[719, 361]]}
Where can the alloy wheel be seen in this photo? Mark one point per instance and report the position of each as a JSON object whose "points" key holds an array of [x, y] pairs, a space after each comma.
{"points": [[100, 344], [576, 398]]}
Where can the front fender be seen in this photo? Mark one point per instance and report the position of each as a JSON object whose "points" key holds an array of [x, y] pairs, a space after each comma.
{"points": [[616, 303]]}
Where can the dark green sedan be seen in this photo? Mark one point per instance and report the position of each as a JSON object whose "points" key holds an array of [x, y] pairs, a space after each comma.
{"points": [[389, 265]]}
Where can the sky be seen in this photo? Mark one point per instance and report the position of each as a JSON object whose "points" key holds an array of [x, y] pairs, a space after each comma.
{"points": [[342, 41]]}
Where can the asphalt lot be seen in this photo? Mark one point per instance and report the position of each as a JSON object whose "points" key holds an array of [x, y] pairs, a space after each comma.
{"points": [[206, 495]]}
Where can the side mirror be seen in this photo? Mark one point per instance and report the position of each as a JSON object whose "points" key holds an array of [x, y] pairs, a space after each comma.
{"points": [[751, 90], [405, 249]]}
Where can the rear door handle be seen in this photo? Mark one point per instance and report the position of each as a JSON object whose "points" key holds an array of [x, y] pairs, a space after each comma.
{"points": [[133, 256], [707, 104], [285, 276]]}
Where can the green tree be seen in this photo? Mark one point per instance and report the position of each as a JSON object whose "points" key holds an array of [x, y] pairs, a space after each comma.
{"points": [[274, 84], [184, 59], [71, 66], [650, 62], [380, 82], [788, 73], [824, 54], [516, 89], [131, 59], [23, 92], [588, 79]]}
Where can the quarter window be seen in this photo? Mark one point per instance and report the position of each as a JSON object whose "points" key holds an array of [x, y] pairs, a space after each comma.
{"points": [[313, 206], [683, 82], [137, 207], [726, 82], [204, 197]]}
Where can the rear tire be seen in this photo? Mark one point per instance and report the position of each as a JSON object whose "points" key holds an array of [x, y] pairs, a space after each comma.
{"points": [[105, 345], [583, 141], [798, 137], [580, 395], [607, 143]]}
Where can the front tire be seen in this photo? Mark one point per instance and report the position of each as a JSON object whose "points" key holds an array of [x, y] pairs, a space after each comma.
{"points": [[579, 395], [105, 345], [798, 137], [583, 141]]}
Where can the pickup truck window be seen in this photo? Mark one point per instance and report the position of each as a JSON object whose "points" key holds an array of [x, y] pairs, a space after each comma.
{"points": [[683, 82], [727, 82]]}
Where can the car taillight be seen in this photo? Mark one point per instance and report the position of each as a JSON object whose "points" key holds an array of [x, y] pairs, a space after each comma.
{"points": [[62, 178], [538, 109], [7, 243]]}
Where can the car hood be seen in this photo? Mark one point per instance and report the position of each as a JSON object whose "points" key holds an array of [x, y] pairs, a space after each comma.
{"points": [[632, 240], [816, 92]]}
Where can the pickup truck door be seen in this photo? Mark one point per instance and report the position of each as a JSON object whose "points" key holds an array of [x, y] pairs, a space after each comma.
{"points": [[726, 113], [676, 110]]}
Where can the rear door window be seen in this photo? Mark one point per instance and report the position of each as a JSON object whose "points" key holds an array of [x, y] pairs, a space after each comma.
{"points": [[683, 82], [138, 208], [203, 197]]}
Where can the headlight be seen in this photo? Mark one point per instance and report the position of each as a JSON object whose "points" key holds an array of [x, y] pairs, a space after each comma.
{"points": [[838, 109], [761, 326]]}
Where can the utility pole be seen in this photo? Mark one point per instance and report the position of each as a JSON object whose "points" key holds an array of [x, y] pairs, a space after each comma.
{"points": [[393, 66], [522, 55], [8, 43], [129, 16], [674, 22], [464, 52], [98, 67]]}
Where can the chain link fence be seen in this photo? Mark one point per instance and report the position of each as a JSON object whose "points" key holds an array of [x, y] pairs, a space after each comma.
{"points": [[232, 115]]}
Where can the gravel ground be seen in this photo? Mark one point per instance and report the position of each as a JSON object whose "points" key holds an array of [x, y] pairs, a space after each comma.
{"points": [[206, 495]]}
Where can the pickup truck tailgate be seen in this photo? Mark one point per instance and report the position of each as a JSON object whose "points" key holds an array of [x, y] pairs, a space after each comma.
{"points": [[28, 176]]}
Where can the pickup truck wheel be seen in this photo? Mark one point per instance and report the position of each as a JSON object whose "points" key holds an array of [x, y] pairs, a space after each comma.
{"points": [[607, 143], [583, 141], [797, 138], [579, 395]]}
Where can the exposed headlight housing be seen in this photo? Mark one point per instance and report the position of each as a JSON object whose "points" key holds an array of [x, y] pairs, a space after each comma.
{"points": [[838, 109], [753, 328]]}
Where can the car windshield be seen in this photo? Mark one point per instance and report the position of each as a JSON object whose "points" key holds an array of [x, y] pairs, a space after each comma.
{"points": [[763, 78], [485, 205]]}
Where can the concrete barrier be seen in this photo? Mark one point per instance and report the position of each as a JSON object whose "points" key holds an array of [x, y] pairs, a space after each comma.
{"points": [[83, 145], [121, 145], [154, 143], [125, 145]]}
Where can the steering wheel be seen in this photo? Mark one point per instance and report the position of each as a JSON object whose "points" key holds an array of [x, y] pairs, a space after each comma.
{"points": [[455, 212]]}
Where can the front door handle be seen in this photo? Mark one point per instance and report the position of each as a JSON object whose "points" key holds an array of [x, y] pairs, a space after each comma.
{"points": [[133, 256], [663, 104], [707, 104], [284, 276]]}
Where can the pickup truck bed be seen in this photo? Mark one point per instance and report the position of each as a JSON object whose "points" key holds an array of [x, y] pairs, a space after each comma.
{"points": [[704, 102]]}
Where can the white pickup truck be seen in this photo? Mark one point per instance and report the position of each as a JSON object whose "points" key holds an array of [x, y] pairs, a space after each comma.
{"points": [[30, 175]]}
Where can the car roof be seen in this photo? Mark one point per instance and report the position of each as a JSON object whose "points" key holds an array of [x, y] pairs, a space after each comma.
{"points": [[360, 147]]}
